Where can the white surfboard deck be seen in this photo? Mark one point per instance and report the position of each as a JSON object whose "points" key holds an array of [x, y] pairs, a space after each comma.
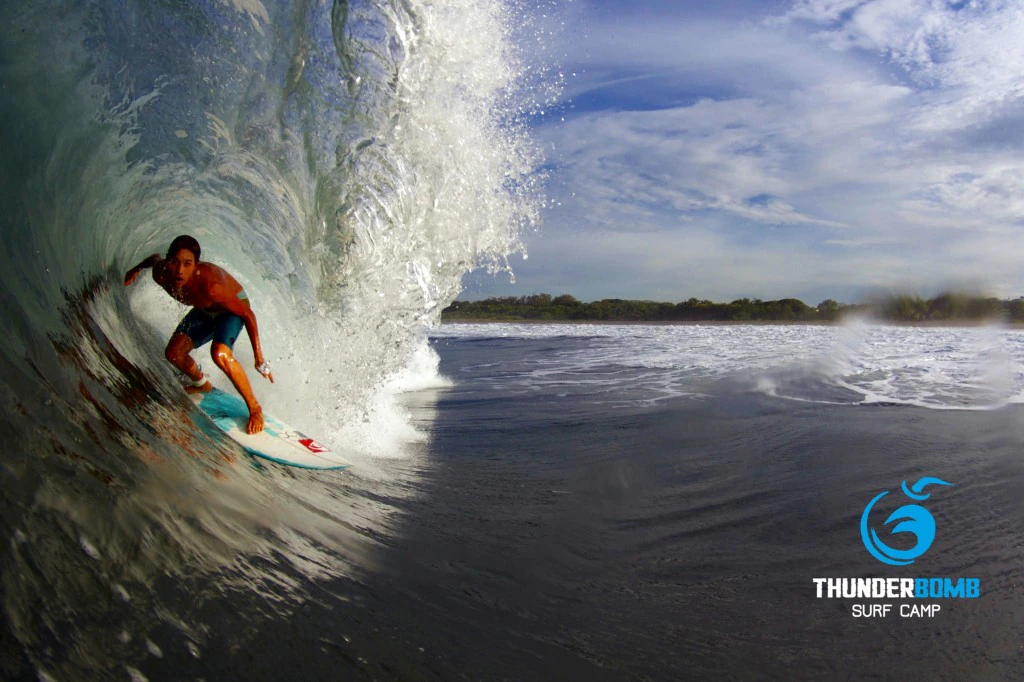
{"points": [[278, 442]]}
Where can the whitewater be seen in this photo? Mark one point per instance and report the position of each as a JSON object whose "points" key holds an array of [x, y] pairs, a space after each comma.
{"points": [[856, 362]]}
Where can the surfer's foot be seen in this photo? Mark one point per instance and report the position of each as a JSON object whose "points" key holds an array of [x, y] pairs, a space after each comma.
{"points": [[205, 388], [255, 420]]}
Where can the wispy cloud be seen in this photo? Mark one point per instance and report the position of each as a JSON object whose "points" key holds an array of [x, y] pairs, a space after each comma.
{"points": [[829, 147]]}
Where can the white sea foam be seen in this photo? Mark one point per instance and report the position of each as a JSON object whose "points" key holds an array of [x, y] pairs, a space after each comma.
{"points": [[943, 368]]}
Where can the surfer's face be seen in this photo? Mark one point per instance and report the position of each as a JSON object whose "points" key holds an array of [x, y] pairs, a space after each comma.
{"points": [[182, 265]]}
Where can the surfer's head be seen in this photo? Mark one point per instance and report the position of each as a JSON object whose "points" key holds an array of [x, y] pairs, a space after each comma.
{"points": [[182, 259]]}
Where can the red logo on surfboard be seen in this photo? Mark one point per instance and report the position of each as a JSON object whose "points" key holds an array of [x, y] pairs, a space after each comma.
{"points": [[313, 446]]}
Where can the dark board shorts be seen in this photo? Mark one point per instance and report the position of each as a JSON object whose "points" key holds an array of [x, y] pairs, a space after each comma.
{"points": [[203, 327]]}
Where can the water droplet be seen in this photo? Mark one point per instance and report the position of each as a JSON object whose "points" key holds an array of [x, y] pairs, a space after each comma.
{"points": [[154, 649], [88, 548]]}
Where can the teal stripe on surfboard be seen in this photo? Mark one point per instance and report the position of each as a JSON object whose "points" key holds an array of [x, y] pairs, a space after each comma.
{"points": [[277, 443]]}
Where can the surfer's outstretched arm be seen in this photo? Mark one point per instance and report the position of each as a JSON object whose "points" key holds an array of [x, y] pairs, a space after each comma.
{"points": [[133, 274]]}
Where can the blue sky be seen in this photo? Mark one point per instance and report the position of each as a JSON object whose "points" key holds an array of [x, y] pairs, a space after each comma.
{"points": [[816, 149]]}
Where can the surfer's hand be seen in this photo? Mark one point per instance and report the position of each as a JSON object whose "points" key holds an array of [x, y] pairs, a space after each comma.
{"points": [[263, 367], [131, 276]]}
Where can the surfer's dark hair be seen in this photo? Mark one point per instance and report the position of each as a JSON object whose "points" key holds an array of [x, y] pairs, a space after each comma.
{"points": [[184, 242]]}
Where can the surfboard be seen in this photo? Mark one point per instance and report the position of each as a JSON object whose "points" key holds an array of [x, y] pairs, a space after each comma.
{"points": [[278, 442]]}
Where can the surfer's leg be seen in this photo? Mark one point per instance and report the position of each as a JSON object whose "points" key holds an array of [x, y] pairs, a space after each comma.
{"points": [[193, 331], [177, 353], [225, 359]]}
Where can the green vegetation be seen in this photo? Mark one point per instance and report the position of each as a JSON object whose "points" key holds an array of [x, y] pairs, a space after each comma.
{"points": [[543, 307]]}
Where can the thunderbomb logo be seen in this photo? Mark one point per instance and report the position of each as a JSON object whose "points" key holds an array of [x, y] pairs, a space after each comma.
{"points": [[912, 519]]}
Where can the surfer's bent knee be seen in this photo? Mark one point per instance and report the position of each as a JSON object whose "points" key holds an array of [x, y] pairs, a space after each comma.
{"points": [[176, 350], [221, 354]]}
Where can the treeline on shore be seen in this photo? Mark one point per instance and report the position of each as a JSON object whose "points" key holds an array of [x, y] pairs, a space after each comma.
{"points": [[946, 307]]}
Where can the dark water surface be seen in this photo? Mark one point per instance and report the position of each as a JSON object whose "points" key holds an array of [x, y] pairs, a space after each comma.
{"points": [[670, 543]]}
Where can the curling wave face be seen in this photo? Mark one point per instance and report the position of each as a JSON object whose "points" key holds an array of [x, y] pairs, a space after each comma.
{"points": [[346, 162]]}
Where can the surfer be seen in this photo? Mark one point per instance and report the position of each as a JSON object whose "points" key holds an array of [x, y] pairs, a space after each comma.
{"points": [[220, 307]]}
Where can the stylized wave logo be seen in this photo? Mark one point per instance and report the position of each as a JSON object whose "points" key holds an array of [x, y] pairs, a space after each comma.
{"points": [[913, 518]]}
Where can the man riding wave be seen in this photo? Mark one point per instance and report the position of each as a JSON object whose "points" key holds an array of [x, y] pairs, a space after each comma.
{"points": [[220, 309]]}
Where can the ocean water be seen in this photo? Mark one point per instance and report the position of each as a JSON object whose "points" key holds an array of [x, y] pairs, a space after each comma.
{"points": [[526, 502], [655, 502], [587, 502]]}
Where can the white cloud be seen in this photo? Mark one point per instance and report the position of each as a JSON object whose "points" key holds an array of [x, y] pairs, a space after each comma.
{"points": [[704, 262], [973, 50], [845, 143]]}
